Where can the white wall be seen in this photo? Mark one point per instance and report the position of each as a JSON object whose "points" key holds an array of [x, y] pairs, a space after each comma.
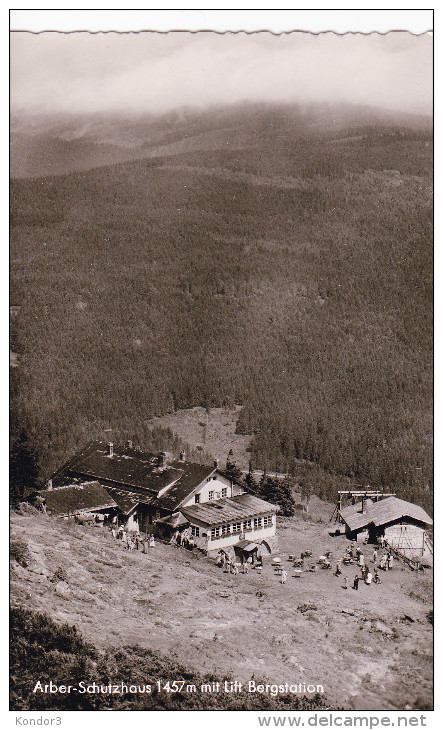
{"points": [[214, 484], [207, 543], [407, 537]]}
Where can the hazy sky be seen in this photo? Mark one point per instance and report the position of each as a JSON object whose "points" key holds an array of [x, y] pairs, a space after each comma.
{"points": [[152, 72]]}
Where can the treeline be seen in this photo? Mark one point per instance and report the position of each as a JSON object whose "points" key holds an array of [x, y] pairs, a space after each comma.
{"points": [[43, 651], [306, 296]]}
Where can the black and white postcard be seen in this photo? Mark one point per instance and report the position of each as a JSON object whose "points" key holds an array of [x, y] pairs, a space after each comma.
{"points": [[221, 371]]}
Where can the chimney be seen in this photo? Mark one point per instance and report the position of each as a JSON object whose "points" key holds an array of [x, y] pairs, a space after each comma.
{"points": [[230, 461], [182, 455], [161, 460], [49, 484], [129, 444], [110, 449], [215, 463]]}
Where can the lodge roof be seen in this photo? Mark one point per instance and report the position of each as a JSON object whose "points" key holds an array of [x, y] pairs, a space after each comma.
{"points": [[382, 512], [74, 498], [228, 509], [127, 501], [192, 475], [134, 472]]}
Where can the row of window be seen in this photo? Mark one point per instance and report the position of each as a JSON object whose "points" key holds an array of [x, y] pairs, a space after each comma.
{"points": [[237, 527], [213, 495]]}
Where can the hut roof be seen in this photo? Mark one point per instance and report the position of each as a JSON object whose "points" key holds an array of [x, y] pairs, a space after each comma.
{"points": [[175, 520], [135, 471], [75, 498], [226, 510], [385, 511]]}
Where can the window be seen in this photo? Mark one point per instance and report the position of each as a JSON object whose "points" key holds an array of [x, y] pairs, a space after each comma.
{"points": [[257, 523], [267, 521], [236, 527], [248, 525], [215, 532], [225, 530], [211, 495], [224, 492], [197, 499], [195, 531]]}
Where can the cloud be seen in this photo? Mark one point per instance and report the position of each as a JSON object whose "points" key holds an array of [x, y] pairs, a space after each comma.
{"points": [[151, 72]]}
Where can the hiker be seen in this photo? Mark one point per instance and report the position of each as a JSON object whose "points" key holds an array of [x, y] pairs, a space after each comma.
{"points": [[345, 582], [356, 580], [283, 576], [368, 579], [374, 556], [376, 576]]}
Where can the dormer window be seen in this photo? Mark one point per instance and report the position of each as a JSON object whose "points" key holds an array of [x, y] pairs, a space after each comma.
{"points": [[197, 499], [211, 495]]}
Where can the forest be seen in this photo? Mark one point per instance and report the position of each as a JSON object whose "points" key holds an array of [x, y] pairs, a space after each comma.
{"points": [[289, 271]]}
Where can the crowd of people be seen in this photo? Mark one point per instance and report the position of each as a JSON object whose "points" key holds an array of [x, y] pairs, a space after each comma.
{"points": [[132, 540], [355, 555]]}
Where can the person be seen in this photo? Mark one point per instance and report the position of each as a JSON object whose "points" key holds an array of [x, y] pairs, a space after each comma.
{"points": [[376, 576], [361, 560], [283, 576], [368, 579], [337, 568], [245, 567], [382, 542], [356, 580], [374, 557], [383, 562], [390, 562], [151, 541], [114, 531], [345, 582]]}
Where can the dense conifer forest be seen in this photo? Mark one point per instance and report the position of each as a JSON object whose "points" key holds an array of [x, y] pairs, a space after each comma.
{"points": [[285, 265]]}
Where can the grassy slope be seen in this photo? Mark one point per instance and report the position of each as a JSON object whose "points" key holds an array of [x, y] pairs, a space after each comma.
{"points": [[181, 605]]}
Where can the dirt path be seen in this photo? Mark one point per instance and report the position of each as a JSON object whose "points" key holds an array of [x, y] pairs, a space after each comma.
{"points": [[358, 645]]}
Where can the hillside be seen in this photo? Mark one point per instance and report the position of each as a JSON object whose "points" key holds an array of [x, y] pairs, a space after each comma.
{"points": [[278, 258], [375, 642]]}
